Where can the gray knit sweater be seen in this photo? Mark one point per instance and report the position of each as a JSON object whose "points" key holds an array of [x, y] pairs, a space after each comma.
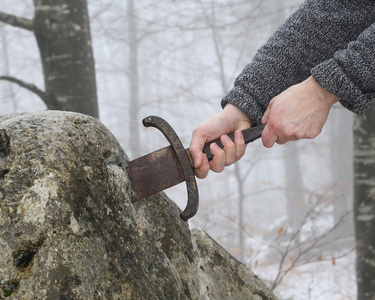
{"points": [[332, 40]]}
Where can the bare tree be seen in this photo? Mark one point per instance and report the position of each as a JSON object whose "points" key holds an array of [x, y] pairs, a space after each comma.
{"points": [[364, 203], [132, 73], [306, 243], [62, 32], [229, 38], [341, 121], [7, 69], [135, 25], [295, 192]]}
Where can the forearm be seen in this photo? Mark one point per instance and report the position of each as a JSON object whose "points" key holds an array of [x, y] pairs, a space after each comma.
{"points": [[309, 37], [350, 73]]}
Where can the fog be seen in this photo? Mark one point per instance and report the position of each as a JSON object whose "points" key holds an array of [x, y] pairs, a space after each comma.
{"points": [[292, 226]]}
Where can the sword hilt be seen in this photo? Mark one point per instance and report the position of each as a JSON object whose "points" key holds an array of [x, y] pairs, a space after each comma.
{"points": [[184, 159], [249, 134]]}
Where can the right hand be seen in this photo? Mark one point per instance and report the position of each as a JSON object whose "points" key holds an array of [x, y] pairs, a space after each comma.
{"points": [[299, 112], [230, 119]]}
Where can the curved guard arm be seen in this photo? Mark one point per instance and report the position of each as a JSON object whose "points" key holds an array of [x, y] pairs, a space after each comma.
{"points": [[185, 162]]}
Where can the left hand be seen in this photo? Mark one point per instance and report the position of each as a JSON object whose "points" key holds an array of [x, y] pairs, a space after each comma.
{"points": [[299, 112], [230, 119]]}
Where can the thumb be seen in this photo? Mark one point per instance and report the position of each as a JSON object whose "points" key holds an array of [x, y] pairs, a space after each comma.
{"points": [[199, 137], [197, 156], [268, 138], [267, 113]]}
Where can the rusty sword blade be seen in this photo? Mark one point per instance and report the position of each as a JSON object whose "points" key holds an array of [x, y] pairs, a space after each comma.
{"points": [[168, 166], [154, 172]]}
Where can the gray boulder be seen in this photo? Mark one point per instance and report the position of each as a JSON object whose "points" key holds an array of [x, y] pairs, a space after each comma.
{"points": [[68, 229]]}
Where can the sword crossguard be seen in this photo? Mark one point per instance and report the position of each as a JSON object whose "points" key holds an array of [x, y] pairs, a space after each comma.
{"points": [[185, 163]]}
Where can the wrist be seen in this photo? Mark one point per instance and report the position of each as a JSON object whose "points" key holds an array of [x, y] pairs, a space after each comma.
{"points": [[237, 115], [323, 94]]}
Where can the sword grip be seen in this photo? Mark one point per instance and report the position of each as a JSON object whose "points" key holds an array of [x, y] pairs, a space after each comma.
{"points": [[250, 135]]}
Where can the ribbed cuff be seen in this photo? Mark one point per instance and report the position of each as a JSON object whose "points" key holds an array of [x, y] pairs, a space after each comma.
{"points": [[240, 98], [332, 78]]}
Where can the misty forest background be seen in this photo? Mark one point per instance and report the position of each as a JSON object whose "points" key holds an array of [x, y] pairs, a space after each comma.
{"points": [[285, 212]]}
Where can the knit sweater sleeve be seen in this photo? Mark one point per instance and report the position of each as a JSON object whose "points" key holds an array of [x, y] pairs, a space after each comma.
{"points": [[332, 40], [350, 73]]}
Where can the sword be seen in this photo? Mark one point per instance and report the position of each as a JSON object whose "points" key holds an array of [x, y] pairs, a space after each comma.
{"points": [[172, 165]]}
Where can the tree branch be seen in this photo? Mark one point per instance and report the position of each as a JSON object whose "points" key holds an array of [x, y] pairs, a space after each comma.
{"points": [[48, 98], [28, 86], [16, 21]]}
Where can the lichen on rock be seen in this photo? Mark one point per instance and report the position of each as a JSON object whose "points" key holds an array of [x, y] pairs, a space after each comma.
{"points": [[68, 229]]}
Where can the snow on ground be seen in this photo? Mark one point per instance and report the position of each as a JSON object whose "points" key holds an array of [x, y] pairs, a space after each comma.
{"points": [[321, 280]]}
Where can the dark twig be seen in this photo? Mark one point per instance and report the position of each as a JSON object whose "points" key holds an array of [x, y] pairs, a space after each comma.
{"points": [[48, 98]]}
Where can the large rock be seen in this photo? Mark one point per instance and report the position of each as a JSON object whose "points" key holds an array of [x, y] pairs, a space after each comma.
{"points": [[68, 229]]}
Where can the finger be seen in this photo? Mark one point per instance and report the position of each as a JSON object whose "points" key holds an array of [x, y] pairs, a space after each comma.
{"points": [[203, 170], [197, 155], [266, 116], [284, 140], [240, 145], [229, 149], [218, 160], [267, 113], [268, 137], [286, 133], [198, 140]]}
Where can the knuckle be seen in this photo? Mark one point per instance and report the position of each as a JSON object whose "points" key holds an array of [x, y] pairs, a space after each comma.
{"points": [[218, 169], [229, 162], [273, 126], [292, 133], [240, 153], [198, 131], [316, 132], [299, 136], [201, 175], [202, 172], [226, 142]]}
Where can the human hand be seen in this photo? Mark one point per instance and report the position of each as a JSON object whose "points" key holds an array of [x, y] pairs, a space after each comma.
{"points": [[230, 119], [299, 112]]}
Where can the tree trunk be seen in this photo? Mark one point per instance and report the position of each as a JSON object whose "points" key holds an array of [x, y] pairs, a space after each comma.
{"points": [[294, 190], [241, 223], [62, 31], [7, 72], [342, 166], [364, 203], [133, 80]]}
